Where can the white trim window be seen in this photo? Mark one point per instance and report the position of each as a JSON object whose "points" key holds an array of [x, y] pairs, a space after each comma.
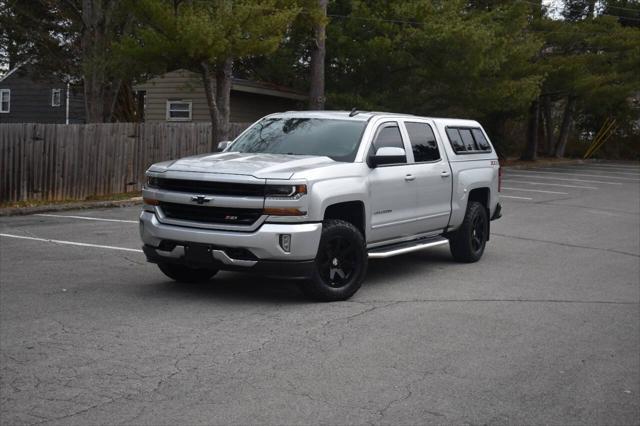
{"points": [[5, 101], [179, 110], [56, 97]]}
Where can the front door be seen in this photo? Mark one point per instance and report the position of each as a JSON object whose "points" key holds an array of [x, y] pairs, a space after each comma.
{"points": [[392, 186]]}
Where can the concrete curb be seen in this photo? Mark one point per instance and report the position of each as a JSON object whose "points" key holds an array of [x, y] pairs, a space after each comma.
{"points": [[80, 205]]}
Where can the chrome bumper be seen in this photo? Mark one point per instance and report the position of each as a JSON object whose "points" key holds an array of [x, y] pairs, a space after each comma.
{"points": [[263, 242]]}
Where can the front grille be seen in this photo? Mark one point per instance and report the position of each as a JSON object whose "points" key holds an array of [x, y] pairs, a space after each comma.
{"points": [[210, 188], [203, 214]]}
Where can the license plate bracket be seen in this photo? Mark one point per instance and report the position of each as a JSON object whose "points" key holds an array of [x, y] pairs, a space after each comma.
{"points": [[198, 254]]}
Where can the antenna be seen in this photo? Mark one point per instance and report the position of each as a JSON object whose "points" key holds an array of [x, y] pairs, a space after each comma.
{"points": [[353, 112]]}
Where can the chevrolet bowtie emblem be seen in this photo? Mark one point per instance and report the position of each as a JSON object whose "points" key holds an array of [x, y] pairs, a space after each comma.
{"points": [[201, 199]]}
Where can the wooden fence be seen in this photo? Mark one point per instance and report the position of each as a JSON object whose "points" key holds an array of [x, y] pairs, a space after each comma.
{"points": [[73, 162]]}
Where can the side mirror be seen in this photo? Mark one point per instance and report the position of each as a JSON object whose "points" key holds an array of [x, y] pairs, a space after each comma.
{"points": [[389, 155], [224, 145]]}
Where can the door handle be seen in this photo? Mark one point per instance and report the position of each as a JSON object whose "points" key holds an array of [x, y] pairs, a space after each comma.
{"points": [[445, 174], [409, 178]]}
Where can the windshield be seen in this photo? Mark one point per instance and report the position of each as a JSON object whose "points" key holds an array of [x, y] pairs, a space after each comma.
{"points": [[337, 139]]}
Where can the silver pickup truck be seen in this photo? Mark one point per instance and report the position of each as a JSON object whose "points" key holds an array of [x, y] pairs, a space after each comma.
{"points": [[315, 195]]}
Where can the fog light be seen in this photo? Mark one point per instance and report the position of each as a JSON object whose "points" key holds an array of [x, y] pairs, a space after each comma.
{"points": [[285, 242]]}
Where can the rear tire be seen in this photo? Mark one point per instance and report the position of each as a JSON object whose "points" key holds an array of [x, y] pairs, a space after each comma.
{"points": [[467, 243], [184, 274], [341, 263]]}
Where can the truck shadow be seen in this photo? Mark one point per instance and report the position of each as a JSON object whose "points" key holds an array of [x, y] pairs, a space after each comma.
{"points": [[240, 287], [394, 270]]}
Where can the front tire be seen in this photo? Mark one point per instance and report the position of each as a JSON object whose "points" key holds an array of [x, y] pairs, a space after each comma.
{"points": [[341, 263], [467, 243], [184, 274]]}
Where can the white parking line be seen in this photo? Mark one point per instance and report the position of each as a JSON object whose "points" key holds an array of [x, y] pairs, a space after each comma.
{"points": [[587, 169], [617, 167], [533, 176], [86, 218], [535, 190], [71, 243], [584, 174], [517, 198], [550, 184]]}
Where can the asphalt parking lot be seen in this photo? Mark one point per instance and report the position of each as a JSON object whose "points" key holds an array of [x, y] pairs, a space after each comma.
{"points": [[545, 329]]}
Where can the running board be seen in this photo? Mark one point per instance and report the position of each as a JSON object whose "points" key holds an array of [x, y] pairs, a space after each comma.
{"points": [[406, 247]]}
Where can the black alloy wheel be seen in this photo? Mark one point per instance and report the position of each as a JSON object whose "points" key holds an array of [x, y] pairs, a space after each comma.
{"points": [[341, 262], [337, 262], [478, 231], [468, 242]]}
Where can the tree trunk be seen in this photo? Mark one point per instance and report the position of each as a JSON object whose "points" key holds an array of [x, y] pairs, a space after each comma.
{"points": [[531, 149], [318, 51], [591, 8], [548, 125], [567, 121], [223, 98], [211, 103], [94, 42], [112, 98]]}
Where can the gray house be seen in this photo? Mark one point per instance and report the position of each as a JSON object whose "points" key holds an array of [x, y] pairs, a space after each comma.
{"points": [[179, 96], [25, 98]]}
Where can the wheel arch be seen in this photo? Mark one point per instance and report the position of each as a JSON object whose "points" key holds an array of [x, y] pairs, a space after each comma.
{"points": [[349, 211], [482, 195]]}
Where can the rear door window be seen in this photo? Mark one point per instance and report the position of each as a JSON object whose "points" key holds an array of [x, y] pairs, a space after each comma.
{"points": [[423, 142]]}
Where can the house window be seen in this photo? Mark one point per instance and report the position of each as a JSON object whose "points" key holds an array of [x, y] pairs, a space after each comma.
{"points": [[5, 100], [56, 94], [179, 110]]}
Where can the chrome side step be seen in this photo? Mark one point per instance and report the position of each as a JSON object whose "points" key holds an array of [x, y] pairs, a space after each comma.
{"points": [[406, 247]]}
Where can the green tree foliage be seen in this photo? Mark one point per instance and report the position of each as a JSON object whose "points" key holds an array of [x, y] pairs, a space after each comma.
{"points": [[499, 61], [44, 30], [591, 66], [435, 58], [559, 70], [72, 40], [206, 36]]}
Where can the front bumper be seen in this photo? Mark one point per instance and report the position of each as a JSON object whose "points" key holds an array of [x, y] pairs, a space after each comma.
{"points": [[220, 260], [163, 242]]}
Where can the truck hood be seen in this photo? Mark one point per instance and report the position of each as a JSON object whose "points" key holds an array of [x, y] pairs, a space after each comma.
{"points": [[262, 166]]}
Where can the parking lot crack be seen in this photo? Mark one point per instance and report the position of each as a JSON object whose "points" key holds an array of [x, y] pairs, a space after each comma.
{"points": [[361, 313], [406, 395]]}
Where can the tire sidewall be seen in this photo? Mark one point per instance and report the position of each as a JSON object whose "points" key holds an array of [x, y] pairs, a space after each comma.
{"points": [[476, 210]]}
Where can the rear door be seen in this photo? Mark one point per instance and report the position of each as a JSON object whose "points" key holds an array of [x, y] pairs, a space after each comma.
{"points": [[433, 176], [392, 187]]}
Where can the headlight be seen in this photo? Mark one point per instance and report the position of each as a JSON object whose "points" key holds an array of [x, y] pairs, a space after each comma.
{"points": [[285, 191], [152, 182]]}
